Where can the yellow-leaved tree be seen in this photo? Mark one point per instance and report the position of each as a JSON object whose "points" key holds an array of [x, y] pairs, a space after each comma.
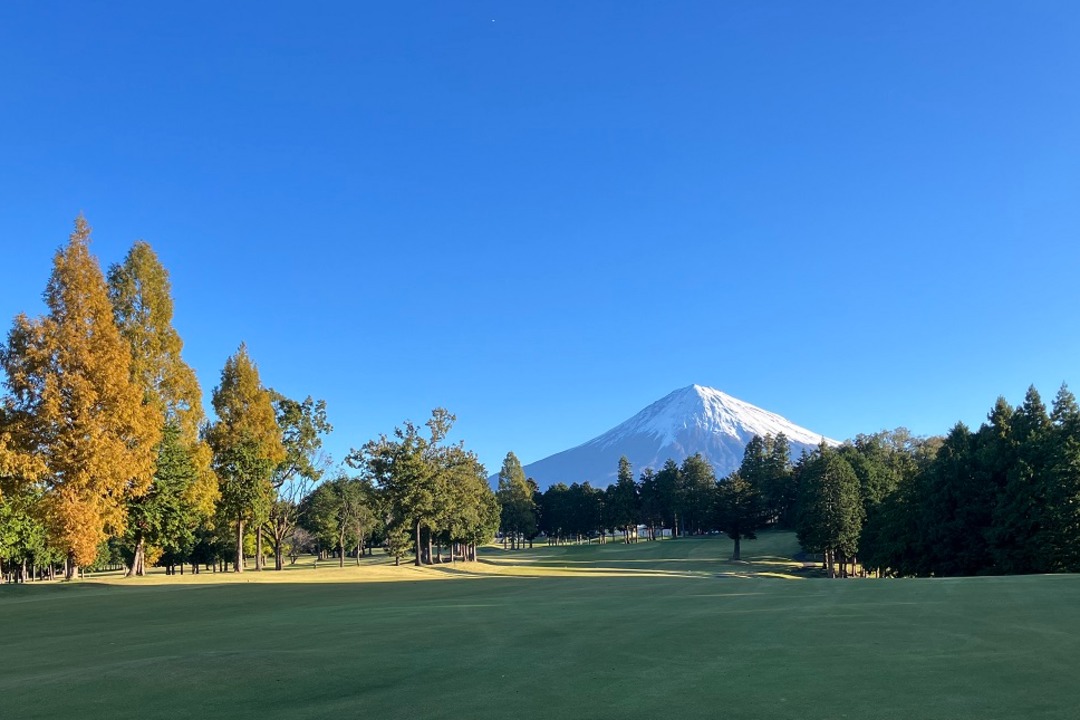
{"points": [[246, 441], [17, 468], [182, 493], [74, 406]]}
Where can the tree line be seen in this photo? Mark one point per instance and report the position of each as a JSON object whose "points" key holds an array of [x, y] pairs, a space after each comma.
{"points": [[107, 458], [1003, 499]]}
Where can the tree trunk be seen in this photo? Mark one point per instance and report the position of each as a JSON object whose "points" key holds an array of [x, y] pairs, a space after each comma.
{"points": [[419, 547], [138, 560], [429, 534], [71, 570], [341, 551], [258, 548], [737, 555], [279, 557], [239, 564]]}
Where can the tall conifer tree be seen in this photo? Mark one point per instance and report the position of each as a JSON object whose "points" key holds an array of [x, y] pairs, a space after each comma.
{"points": [[246, 441], [1060, 532], [142, 303], [518, 516], [622, 502], [830, 511], [76, 406]]}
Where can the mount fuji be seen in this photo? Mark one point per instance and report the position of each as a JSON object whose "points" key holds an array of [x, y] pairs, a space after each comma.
{"points": [[693, 419]]}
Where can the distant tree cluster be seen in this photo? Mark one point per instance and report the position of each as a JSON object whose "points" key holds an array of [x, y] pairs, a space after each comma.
{"points": [[687, 499], [432, 494]]}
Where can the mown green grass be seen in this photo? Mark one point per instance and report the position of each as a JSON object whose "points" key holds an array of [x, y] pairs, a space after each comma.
{"points": [[605, 640]]}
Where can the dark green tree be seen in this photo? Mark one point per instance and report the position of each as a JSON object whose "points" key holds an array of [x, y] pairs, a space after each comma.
{"points": [[652, 504], [1060, 531], [622, 503], [340, 514], [556, 513], [518, 514], [169, 513], [668, 496], [741, 506], [830, 510], [587, 507], [1019, 510], [696, 497]]}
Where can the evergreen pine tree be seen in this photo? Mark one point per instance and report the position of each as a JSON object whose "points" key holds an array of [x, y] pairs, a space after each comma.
{"points": [[1059, 536], [740, 510], [830, 510]]}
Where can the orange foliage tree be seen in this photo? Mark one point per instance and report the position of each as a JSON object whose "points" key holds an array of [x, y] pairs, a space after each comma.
{"points": [[74, 405], [246, 441]]}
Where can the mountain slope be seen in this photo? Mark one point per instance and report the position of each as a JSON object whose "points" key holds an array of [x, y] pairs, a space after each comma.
{"points": [[693, 419]]}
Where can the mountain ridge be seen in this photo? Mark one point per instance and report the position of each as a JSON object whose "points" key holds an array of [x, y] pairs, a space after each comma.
{"points": [[689, 420]]}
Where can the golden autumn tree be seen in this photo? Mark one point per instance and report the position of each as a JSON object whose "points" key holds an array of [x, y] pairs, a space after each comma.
{"points": [[246, 441], [75, 407], [17, 468], [183, 490]]}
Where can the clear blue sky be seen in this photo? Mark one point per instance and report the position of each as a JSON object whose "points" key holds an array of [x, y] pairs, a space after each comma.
{"points": [[544, 216]]}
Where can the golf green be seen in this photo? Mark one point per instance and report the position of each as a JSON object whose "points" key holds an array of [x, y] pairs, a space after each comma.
{"points": [[547, 633]]}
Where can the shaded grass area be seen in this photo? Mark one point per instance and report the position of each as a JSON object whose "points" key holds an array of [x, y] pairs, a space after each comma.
{"points": [[703, 643]]}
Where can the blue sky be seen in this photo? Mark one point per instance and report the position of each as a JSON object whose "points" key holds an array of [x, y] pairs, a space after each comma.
{"points": [[544, 216]]}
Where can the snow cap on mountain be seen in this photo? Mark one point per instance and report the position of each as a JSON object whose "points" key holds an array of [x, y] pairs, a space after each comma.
{"points": [[693, 419], [705, 408]]}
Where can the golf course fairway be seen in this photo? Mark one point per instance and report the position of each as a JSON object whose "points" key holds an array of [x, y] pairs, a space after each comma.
{"points": [[661, 630]]}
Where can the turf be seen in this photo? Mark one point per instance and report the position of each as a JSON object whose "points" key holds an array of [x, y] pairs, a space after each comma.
{"points": [[655, 630]]}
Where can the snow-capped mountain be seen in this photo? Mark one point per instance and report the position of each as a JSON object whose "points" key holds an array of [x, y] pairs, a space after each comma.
{"points": [[693, 419]]}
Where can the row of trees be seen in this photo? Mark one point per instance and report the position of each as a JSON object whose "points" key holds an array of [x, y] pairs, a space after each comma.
{"points": [[677, 497], [106, 456], [1002, 499], [105, 453], [825, 495]]}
